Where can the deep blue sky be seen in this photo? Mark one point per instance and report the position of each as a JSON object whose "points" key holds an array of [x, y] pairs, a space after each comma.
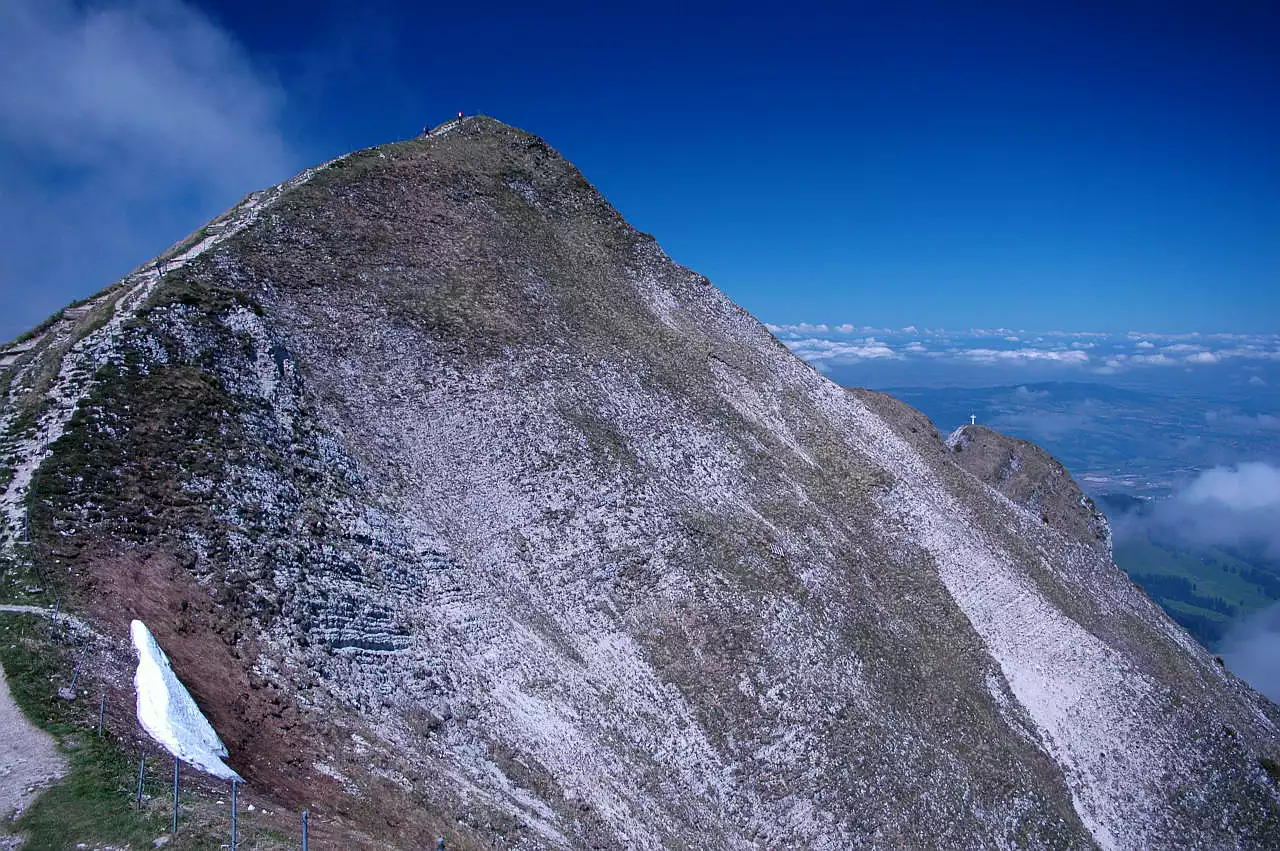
{"points": [[1106, 166]]}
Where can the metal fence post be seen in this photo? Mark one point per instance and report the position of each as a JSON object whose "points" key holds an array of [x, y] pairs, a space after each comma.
{"points": [[75, 676], [305, 814], [142, 770], [175, 796], [234, 832], [102, 710]]}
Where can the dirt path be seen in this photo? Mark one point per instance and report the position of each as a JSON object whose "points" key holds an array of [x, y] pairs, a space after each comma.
{"points": [[29, 760], [74, 623], [29, 757]]}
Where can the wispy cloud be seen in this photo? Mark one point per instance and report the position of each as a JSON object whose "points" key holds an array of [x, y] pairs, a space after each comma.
{"points": [[1045, 426], [1247, 422], [1072, 356], [834, 351], [123, 124], [1158, 359], [1252, 651], [1237, 507], [1226, 506]]}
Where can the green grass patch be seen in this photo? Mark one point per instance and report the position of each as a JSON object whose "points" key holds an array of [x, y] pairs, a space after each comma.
{"points": [[183, 287], [1214, 573], [29, 415], [1208, 627], [93, 804], [18, 574], [117, 469], [191, 241], [48, 359], [1206, 589], [1180, 606]]}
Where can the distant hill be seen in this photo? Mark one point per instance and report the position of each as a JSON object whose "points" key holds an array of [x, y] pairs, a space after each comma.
{"points": [[1128, 447], [1113, 439]]}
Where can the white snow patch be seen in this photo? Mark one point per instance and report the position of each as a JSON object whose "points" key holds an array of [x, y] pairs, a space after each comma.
{"points": [[167, 712]]}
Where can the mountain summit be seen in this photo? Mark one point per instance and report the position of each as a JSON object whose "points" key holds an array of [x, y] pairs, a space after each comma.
{"points": [[462, 510]]}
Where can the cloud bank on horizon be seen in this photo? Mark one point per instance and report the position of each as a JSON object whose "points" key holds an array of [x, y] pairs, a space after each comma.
{"points": [[828, 346]]}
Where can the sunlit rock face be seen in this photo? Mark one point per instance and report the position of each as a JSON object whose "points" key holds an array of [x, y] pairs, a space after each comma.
{"points": [[462, 510]]}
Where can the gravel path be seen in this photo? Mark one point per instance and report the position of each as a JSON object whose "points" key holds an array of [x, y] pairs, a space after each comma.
{"points": [[29, 760], [76, 625]]}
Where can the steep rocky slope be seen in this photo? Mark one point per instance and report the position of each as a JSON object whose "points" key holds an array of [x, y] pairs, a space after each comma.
{"points": [[461, 509]]}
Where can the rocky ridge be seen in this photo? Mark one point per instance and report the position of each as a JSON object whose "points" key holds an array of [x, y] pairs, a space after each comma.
{"points": [[1032, 479], [461, 509]]}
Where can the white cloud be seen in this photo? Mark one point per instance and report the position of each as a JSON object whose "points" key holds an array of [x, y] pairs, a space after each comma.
{"points": [[816, 349], [799, 329], [1002, 346], [1252, 651], [1251, 352], [124, 125], [1245, 488], [1040, 425], [1160, 359], [151, 79], [1257, 381], [1023, 355], [1245, 421], [1226, 506]]}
